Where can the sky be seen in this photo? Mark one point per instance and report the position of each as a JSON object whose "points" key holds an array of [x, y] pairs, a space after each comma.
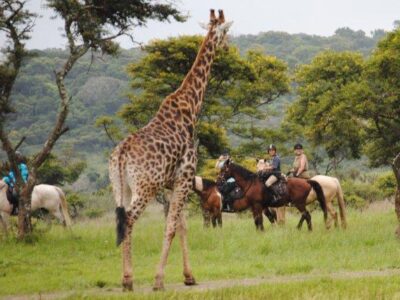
{"points": [[319, 17]]}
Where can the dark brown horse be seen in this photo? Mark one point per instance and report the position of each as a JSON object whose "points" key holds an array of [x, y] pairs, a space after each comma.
{"points": [[255, 190], [211, 204]]}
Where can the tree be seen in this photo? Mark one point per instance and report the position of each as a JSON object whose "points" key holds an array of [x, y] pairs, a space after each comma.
{"points": [[238, 87], [16, 22], [324, 108], [377, 100], [54, 171], [89, 25]]}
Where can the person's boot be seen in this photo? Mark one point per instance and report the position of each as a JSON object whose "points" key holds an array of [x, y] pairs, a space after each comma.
{"points": [[15, 200], [274, 197]]}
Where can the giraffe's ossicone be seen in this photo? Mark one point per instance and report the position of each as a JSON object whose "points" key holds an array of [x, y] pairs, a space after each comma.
{"points": [[163, 155]]}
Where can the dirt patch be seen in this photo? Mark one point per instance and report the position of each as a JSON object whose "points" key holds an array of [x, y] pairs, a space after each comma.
{"points": [[214, 285]]}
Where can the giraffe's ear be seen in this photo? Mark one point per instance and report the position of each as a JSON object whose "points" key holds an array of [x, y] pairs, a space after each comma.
{"points": [[226, 25], [204, 25]]}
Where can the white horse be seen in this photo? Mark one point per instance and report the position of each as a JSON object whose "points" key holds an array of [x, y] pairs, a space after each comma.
{"points": [[331, 188], [45, 196]]}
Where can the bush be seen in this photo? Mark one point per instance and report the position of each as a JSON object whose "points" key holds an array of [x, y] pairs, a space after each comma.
{"points": [[75, 203], [94, 213], [386, 183]]}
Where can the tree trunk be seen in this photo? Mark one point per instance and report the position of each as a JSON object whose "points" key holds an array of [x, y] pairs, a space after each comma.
{"points": [[396, 171]]}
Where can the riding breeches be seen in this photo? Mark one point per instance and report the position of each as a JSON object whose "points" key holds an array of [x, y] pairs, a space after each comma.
{"points": [[271, 180]]}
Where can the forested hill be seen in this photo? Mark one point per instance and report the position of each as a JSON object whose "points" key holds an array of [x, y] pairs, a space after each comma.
{"points": [[300, 48], [98, 85]]}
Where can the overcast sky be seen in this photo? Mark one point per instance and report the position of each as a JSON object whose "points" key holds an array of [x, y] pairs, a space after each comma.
{"points": [[320, 17]]}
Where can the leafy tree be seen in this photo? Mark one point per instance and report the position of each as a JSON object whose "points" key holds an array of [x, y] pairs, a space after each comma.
{"points": [[57, 172], [237, 88], [89, 25], [324, 109]]}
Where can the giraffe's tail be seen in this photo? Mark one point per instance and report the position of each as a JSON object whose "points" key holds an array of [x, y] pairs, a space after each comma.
{"points": [[121, 224]]}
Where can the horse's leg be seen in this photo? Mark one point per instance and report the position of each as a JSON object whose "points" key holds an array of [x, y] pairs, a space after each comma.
{"points": [[4, 222], [58, 214], [214, 220], [219, 219], [332, 213], [281, 212], [270, 215], [301, 221], [206, 218], [258, 218], [308, 219]]}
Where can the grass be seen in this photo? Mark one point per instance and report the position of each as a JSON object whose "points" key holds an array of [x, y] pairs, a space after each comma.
{"points": [[87, 257]]}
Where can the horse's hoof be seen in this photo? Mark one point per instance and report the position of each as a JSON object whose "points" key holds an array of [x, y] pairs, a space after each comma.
{"points": [[190, 281]]}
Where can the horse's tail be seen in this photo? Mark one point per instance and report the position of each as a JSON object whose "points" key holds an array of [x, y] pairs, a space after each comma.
{"points": [[64, 207], [342, 206], [320, 196]]}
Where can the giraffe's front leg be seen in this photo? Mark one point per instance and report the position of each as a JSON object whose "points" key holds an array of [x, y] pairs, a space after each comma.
{"points": [[182, 231], [174, 222]]}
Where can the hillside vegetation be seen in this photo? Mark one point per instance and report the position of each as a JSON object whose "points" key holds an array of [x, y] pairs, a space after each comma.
{"points": [[99, 85]]}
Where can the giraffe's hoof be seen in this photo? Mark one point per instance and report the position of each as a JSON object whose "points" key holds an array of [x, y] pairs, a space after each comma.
{"points": [[158, 287], [127, 285], [190, 281]]}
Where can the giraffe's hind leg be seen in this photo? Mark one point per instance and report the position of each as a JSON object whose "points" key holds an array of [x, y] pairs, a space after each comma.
{"points": [[136, 207]]}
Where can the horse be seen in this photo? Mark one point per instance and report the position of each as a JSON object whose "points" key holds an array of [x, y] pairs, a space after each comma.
{"points": [[210, 201], [45, 196], [255, 189], [331, 188]]}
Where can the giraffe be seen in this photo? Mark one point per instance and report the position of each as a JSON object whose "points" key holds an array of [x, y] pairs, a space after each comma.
{"points": [[163, 155]]}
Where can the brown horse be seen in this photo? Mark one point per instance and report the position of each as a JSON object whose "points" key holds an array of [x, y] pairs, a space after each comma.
{"points": [[255, 190], [211, 203]]}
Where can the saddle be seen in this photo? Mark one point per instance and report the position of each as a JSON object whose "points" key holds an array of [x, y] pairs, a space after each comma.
{"points": [[280, 187]]}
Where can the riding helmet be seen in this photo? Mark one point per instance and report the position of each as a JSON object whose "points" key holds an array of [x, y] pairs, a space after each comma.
{"points": [[298, 146]]}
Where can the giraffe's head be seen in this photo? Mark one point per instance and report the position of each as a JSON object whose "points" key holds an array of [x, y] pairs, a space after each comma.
{"points": [[219, 26]]}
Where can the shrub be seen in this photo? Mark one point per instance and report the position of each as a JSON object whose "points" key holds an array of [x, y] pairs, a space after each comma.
{"points": [[386, 183]]}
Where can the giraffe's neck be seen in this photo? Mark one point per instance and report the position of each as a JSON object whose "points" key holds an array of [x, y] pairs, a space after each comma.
{"points": [[188, 98]]}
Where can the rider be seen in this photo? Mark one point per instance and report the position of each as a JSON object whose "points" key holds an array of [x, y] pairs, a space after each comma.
{"points": [[229, 185], [300, 163], [10, 180], [274, 169]]}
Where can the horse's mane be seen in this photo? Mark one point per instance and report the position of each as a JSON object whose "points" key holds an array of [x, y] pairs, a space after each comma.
{"points": [[246, 174], [208, 183]]}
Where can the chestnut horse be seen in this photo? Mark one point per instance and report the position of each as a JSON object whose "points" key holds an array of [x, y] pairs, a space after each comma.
{"points": [[331, 188], [211, 203], [255, 190]]}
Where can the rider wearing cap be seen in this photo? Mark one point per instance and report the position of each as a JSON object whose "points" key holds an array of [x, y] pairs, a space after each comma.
{"points": [[274, 169], [300, 164]]}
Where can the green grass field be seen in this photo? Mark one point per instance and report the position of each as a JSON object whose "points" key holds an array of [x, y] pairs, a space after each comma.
{"points": [[86, 258]]}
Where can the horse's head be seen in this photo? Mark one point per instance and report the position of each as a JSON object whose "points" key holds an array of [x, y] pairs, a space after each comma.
{"points": [[225, 172], [262, 164]]}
